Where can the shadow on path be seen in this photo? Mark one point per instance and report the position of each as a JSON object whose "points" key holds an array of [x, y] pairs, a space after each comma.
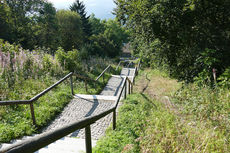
{"points": [[143, 90], [117, 89], [93, 108], [149, 100]]}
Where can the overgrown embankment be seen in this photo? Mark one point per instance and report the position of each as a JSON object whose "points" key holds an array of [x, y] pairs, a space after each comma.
{"points": [[166, 116], [24, 74]]}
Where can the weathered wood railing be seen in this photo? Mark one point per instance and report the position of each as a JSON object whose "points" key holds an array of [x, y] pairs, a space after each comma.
{"points": [[103, 73], [86, 80], [35, 98], [35, 143], [138, 64]]}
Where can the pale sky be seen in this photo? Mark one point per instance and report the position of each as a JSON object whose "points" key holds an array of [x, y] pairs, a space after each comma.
{"points": [[101, 8]]}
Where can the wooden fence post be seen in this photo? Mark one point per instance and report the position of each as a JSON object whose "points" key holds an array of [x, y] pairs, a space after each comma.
{"points": [[114, 119], [125, 88], [129, 87], [71, 84], [32, 113], [86, 89], [88, 143]]}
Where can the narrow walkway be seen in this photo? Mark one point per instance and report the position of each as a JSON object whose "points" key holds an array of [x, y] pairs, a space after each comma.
{"points": [[79, 108], [82, 106]]}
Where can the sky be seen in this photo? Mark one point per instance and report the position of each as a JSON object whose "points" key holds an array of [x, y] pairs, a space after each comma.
{"points": [[101, 8]]}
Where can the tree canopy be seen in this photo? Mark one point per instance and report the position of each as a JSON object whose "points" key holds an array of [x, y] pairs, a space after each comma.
{"points": [[182, 34], [79, 7], [37, 24], [70, 29]]}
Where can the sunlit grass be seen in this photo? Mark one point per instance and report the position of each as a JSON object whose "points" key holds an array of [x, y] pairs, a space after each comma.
{"points": [[146, 124]]}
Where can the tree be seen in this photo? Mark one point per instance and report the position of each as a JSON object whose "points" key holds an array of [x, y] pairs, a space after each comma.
{"points": [[5, 30], [97, 25], [116, 33], [108, 38], [70, 29], [184, 29], [48, 27], [22, 15], [79, 7]]}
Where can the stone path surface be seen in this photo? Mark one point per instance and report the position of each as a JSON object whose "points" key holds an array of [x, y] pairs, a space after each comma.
{"points": [[80, 108], [128, 71], [113, 86], [77, 110]]}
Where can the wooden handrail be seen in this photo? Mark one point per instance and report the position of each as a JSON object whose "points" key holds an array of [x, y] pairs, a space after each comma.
{"points": [[35, 98], [102, 73], [51, 87], [35, 143], [11, 102], [118, 65]]}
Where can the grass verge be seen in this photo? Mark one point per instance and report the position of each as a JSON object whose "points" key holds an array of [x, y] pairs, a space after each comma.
{"points": [[146, 123]]}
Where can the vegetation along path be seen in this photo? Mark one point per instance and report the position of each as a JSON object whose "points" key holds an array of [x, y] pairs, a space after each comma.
{"points": [[154, 119], [82, 106]]}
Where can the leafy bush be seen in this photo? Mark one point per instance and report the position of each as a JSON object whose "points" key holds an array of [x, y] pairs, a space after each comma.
{"points": [[224, 79], [69, 60]]}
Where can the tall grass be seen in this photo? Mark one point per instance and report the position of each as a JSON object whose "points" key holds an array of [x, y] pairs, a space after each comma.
{"points": [[197, 121], [206, 104]]}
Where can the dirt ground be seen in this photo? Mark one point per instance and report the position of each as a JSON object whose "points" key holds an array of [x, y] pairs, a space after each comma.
{"points": [[157, 86]]}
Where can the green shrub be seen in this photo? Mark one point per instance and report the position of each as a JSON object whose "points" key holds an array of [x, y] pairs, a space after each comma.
{"points": [[224, 79], [69, 60]]}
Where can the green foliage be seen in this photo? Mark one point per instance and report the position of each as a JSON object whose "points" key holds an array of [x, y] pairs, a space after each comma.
{"points": [[47, 28], [24, 74], [103, 46], [79, 8], [20, 18], [188, 40], [37, 25], [198, 121], [144, 125], [18, 65], [130, 123], [4, 22], [16, 120], [207, 105], [70, 29], [224, 79], [70, 60], [108, 38], [97, 25]]}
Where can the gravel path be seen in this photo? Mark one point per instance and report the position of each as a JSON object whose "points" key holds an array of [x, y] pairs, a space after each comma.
{"points": [[128, 71], [79, 108], [112, 87]]}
